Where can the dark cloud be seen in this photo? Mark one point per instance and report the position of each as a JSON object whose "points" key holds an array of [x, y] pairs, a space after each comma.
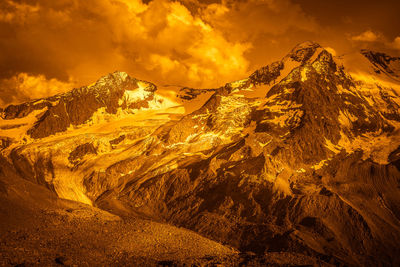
{"points": [[356, 15]]}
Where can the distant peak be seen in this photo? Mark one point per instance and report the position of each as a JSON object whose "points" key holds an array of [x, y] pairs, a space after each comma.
{"points": [[384, 63], [120, 74], [375, 55], [303, 51], [117, 77], [306, 45]]}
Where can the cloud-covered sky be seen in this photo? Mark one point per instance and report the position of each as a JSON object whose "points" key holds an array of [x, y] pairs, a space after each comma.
{"points": [[51, 46]]}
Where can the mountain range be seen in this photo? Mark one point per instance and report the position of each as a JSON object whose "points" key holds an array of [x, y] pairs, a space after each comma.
{"points": [[301, 159]]}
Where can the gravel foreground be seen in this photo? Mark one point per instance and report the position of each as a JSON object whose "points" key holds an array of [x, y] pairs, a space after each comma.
{"points": [[84, 236]]}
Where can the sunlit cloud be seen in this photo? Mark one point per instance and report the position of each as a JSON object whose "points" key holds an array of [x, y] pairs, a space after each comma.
{"points": [[161, 41], [367, 36], [271, 27], [396, 43], [25, 87]]}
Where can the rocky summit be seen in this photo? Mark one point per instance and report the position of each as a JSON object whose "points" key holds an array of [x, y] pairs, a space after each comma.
{"points": [[298, 164]]}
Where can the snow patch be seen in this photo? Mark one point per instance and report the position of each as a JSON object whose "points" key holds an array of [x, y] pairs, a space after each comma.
{"points": [[17, 128], [139, 94], [320, 164], [301, 170], [334, 148], [346, 118], [375, 145], [303, 74]]}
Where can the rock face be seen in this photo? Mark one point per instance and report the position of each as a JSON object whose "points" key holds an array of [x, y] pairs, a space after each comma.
{"points": [[384, 63], [301, 157], [187, 93]]}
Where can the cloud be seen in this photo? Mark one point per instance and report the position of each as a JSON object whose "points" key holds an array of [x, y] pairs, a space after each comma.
{"points": [[396, 43], [367, 36], [376, 41], [18, 13], [254, 17], [161, 41], [190, 48], [271, 27], [23, 87]]}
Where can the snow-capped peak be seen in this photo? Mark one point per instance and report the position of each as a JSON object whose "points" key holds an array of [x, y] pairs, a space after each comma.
{"points": [[303, 51], [117, 78]]}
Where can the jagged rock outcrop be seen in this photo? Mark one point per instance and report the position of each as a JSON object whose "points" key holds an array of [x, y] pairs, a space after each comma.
{"points": [[187, 93], [268, 74]]}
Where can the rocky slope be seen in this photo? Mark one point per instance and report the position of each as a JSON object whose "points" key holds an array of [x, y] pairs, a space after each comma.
{"points": [[301, 157], [38, 229]]}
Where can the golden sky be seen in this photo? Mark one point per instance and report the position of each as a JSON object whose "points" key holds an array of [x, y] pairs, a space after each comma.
{"points": [[50, 46]]}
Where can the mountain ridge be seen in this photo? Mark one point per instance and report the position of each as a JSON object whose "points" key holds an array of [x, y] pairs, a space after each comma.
{"points": [[300, 157]]}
